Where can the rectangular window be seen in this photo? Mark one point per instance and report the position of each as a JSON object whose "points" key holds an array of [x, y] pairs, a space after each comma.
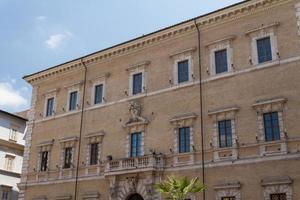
{"points": [[73, 101], [264, 51], [271, 125], [9, 162], [228, 198], [184, 139], [68, 157], [280, 196], [13, 135], [136, 144], [183, 71], [5, 195], [225, 133], [50, 107], [94, 153], [137, 84], [98, 94], [44, 161], [221, 61]]}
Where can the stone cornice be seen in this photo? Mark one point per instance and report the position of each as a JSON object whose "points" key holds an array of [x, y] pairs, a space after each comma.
{"points": [[12, 145], [158, 36]]}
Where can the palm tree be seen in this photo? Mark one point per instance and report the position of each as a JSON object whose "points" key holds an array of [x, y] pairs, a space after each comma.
{"points": [[179, 188]]}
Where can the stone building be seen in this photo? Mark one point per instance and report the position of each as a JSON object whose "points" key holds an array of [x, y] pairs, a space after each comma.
{"points": [[12, 128], [112, 124]]}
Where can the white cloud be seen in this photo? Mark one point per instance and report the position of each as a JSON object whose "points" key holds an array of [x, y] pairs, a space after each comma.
{"points": [[40, 18], [56, 40], [10, 97]]}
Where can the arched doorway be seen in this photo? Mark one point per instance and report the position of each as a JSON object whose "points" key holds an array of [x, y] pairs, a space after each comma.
{"points": [[135, 197]]}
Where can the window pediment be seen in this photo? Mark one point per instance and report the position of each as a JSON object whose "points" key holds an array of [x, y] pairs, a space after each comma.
{"points": [[45, 146], [182, 120], [224, 113], [276, 180], [268, 105], [227, 185], [95, 137], [68, 142]]}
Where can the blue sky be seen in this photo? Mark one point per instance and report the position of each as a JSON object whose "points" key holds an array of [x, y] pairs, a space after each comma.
{"points": [[37, 34]]}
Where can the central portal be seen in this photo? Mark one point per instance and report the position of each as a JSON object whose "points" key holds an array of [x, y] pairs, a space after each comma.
{"points": [[135, 197]]}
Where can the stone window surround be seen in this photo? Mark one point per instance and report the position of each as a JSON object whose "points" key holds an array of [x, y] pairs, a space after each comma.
{"points": [[9, 162], [221, 44], [96, 137], [73, 88], [44, 146], [274, 185], [65, 143], [97, 81], [228, 113], [133, 129], [266, 106], [179, 121], [136, 69], [228, 189], [177, 57], [259, 33], [48, 95]]}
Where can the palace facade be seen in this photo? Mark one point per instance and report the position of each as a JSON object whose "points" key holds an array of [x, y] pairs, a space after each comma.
{"points": [[217, 97]]}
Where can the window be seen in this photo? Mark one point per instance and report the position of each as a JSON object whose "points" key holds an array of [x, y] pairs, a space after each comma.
{"points": [[73, 101], [5, 195], [9, 161], [136, 144], [68, 157], [13, 135], [264, 51], [184, 139], [225, 133], [271, 125], [94, 153], [98, 94], [280, 196], [228, 198], [50, 107], [137, 84], [221, 61], [183, 71], [44, 161]]}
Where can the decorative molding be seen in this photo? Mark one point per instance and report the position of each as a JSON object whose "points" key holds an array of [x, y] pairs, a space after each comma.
{"points": [[276, 180], [263, 26], [297, 7], [139, 64], [227, 38], [223, 110], [189, 51], [277, 185]]}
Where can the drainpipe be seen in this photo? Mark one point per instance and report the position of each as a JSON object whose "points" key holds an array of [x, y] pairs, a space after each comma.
{"points": [[80, 129], [201, 105]]}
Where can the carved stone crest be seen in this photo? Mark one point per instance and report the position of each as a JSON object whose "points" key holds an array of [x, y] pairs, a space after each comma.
{"points": [[135, 109]]}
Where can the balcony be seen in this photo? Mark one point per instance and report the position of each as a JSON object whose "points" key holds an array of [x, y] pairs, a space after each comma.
{"points": [[132, 165]]}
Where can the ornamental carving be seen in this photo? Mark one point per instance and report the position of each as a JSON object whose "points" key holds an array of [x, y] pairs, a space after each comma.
{"points": [[135, 109]]}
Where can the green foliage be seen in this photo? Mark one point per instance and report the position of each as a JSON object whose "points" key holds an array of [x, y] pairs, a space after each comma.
{"points": [[179, 188]]}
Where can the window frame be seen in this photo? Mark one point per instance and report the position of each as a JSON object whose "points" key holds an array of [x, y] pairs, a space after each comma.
{"points": [[187, 143], [138, 146], [77, 100], [273, 43], [93, 92], [226, 136], [190, 69], [225, 45], [92, 156], [285, 196], [215, 60], [13, 134], [272, 126], [44, 163], [68, 158], [269, 46], [47, 97], [9, 162], [131, 79]]}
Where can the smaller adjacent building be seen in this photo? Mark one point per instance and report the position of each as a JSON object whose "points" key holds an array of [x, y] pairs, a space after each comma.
{"points": [[12, 129]]}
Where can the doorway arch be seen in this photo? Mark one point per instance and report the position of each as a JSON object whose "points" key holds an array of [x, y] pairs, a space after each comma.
{"points": [[135, 196]]}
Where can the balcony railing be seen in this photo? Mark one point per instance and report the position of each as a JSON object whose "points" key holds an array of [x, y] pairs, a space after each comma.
{"points": [[137, 163]]}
